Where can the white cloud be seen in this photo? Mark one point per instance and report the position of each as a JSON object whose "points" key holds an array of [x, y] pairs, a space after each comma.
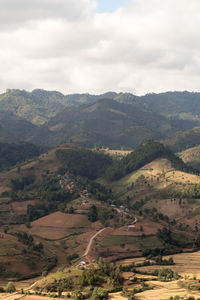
{"points": [[15, 13], [65, 45]]}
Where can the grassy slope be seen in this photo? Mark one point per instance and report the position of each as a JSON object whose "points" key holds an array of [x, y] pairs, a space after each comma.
{"points": [[158, 182], [191, 156], [184, 140], [107, 123]]}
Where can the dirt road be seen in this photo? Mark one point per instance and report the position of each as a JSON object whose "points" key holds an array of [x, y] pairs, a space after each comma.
{"points": [[91, 241]]}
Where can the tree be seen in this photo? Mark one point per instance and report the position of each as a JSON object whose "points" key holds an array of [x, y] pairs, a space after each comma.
{"points": [[167, 274], [99, 294], [92, 214], [10, 288], [197, 242]]}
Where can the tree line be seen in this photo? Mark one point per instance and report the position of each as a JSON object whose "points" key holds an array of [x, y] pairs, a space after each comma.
{"points": [[142, 155]]}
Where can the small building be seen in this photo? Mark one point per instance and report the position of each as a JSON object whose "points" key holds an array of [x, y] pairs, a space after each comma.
{"points": [[131, 227]]}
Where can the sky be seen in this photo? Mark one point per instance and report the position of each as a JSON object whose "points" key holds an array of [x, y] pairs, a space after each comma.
{"points": [[107, 6], [95, 46]]}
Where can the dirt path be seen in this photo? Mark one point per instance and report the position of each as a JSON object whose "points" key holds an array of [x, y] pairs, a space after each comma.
{"points": [[91, 241]]}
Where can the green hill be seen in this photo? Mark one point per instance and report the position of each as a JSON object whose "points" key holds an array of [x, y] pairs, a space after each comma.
{"points": [[118, 120], [184, 140], [141, 156], [11, 154], [83, 162], [37, 107], [177, 105], [63, 198], [191, 156], [14, 128], [105, 123]]}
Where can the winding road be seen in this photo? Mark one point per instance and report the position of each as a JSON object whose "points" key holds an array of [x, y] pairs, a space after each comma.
{"points": [[91, 241], [84, 256], [96, 234]]}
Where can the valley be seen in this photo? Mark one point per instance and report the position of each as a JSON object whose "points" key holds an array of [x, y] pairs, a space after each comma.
{"points": [[84, 227], [92, 204]]}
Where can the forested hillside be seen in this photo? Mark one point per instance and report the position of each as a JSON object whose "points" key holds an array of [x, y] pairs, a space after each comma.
{"points": [[84, 162], [106, 123], [112, 119], [142, 155], [11, 154], [36, 107], [184, 140], [14, 128]]}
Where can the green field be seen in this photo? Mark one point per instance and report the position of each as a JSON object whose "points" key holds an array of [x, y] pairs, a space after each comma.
{"points": [[139, 242]]}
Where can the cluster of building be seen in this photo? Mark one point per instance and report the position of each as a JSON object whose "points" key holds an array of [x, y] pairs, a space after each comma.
{"points": [[85, 193], [121, 209], [67, 182]]}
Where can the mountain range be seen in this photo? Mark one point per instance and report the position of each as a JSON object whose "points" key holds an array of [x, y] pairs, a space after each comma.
{"points": [[113, 119]]}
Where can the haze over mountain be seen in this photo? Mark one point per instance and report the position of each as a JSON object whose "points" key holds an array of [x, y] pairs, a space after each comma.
{"points": [[111, 119], [106, 123], [39, 105], [14, 128]]}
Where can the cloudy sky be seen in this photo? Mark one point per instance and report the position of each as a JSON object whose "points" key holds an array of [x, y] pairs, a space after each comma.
{"points": [[95, 46]]}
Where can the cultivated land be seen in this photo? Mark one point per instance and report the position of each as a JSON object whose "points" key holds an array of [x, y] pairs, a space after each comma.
{"points": [[186, 263], [153, 198]]}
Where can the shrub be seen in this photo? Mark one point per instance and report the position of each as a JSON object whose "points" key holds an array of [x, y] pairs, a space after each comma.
{"points": [[99, 294], [10, 288]]}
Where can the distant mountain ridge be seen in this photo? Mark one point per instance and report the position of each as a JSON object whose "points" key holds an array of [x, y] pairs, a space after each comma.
{"points": [[184, 140], [105, 123], [39, 106], [36, 107], [14, 128], [111, 119]]}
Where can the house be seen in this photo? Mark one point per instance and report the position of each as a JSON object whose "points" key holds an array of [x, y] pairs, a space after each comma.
{"points": [[131, 227]]}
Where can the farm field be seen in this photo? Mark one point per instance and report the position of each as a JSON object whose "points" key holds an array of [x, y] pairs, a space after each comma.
{"points": [[159, 173], [186, 264], [57, 225], [20, 207], [27, 297], [59, 219], [116, 240], [164, 290], [10, 246], [149, 199], [148, 228], [114, 245]]}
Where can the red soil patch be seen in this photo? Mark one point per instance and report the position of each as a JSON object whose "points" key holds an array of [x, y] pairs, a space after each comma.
{"points": [[22, 263], [21, 207], [97, 225], [57, 226], [34, 297], [7, 236], [51, 233], [149, 228], [4, 207], [59, 219]]}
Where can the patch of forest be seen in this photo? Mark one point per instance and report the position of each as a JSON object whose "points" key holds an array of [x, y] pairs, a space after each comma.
{"points": [[83, 162], [12, 153], [142, 155]]}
